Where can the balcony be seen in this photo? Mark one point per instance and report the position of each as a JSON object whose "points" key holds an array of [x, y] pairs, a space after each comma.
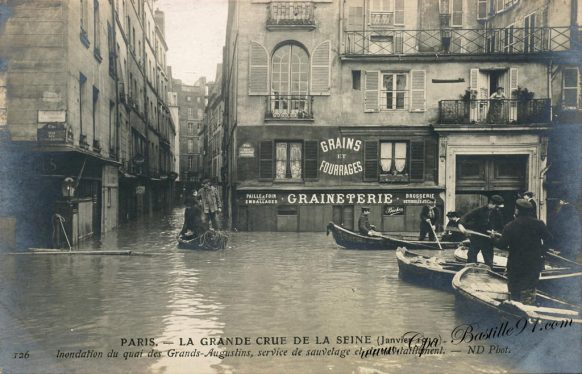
{"points": [[290, 14], [386, 42], [510, 111], [289, 107]]}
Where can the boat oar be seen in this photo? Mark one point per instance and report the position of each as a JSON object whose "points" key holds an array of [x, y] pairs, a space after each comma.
{"points": [[470, 232], [435, 236]]}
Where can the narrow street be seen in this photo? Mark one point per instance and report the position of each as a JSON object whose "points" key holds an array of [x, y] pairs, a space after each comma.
{"points": [[264, 285]]}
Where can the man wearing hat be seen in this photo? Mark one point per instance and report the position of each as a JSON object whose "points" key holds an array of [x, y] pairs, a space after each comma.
{"points": [[482, 220], [452, 233], [429, 216], [529, 196], [523, 238], [364, 223], [211, 204]]}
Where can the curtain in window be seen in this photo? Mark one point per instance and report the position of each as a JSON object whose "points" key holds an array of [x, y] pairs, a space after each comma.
{"points": [[281, 164], [400, 156], [295, 160], [386, 157]]}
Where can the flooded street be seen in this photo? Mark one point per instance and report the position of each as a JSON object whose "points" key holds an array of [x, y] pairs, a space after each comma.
{"points": [[263, 285]]}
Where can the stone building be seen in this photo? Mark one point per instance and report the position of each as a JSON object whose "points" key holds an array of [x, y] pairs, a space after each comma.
{"points": [[335, 105], [74, 137]]}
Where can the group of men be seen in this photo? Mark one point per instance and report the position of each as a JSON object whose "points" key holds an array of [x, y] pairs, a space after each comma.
{"points": [[525, 237], [202, 210]]}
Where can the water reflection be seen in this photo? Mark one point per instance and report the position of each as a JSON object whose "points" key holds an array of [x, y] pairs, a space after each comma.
{"points": [[264, 284]]}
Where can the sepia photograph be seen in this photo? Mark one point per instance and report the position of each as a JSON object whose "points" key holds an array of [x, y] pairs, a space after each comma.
{"points": [[290, 186]]}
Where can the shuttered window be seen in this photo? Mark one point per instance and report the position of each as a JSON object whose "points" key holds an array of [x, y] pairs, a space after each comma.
{"points": [[266, 160], [481, 9], [355, 17], [570, 87], [456, 12], [430, 160], [320, 69], [371, 164], [418, 91], [417, 161], [258, 70], [399, 12], [371, 91], [310, 159]]}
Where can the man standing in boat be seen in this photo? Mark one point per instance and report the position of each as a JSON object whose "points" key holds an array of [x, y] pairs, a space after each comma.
{"points": [[211, 204], [364, 225], [193, 226], [481, 220], [429, 216], [523, 237]]}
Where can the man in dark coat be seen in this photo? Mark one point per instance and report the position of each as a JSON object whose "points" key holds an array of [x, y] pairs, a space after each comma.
{"points": [[364, 225], [211, 204], [194, 225], [482, 220], [429, 216], [523, 237], [452, 233]]}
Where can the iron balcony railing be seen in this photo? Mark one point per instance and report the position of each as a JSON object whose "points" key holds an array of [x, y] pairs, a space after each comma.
{"points": [[290, 13], [458, 41], [506, 111], [289, 107]]}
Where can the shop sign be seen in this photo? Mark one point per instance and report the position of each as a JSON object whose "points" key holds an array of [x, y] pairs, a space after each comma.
{"points": [[140, 190], [339, 156], [246, 150], [393, 200], [393, 210], [53, 133]]}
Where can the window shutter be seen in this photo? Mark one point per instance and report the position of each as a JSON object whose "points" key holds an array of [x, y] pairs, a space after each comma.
{"points": [[482, 9], [457, 13], [430, 157], [371, 93], [371, 163], [398, 43], [320, 69], [258, 70], [266, 160], [418, 91], [356, 17], [474, 80], [417, 161], [399, 12], [310, 159]]}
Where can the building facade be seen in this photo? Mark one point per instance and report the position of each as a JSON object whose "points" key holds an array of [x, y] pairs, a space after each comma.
{"points": [[75, 130], [191, 100], [335, 105]]}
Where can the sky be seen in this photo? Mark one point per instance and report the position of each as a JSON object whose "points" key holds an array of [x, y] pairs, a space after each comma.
{"points": [[195, 32]]}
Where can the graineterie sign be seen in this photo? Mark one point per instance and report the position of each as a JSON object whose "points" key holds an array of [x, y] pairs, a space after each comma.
{"points": [[340, 156], [393, 202]]}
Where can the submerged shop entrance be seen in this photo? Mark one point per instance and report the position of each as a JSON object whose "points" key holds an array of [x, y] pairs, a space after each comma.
{"points": [[479, 177]]}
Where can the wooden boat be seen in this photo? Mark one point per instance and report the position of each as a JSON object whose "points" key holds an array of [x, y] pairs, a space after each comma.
{"points": [[210, 240], [352, 240], [480, 287], [433, 271], [462, 253]]}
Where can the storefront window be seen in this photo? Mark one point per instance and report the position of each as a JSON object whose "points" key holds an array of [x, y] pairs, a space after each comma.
{"points": [[288, 160]]}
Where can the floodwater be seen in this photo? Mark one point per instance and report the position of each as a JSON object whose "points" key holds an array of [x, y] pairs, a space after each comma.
{"points": [[264, 288]]}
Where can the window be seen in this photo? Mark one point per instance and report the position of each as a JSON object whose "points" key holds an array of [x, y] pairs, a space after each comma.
{"points": [[96, 29], [508, 39], [95, 109], [457, 13], [190, 128], [190, 146], [356, 79], [381, 12], [2, 98], [570, 88], [482, 9], [393, 159], [188, 98], [393, 93], [190, 113], [82, 81], [529, 30], [290, 81], [288, 160]]}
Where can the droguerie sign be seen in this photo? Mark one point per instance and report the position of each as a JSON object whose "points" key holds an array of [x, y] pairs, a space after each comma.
{"points": [[334, 154]]}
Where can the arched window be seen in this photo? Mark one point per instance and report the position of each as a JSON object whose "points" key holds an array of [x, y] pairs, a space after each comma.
{"points": [[289, 81]]}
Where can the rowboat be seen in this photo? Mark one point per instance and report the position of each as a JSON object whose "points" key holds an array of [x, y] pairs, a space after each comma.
{"points": [[352, 240], [210, 240], [480, 287], [433, 271]]}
